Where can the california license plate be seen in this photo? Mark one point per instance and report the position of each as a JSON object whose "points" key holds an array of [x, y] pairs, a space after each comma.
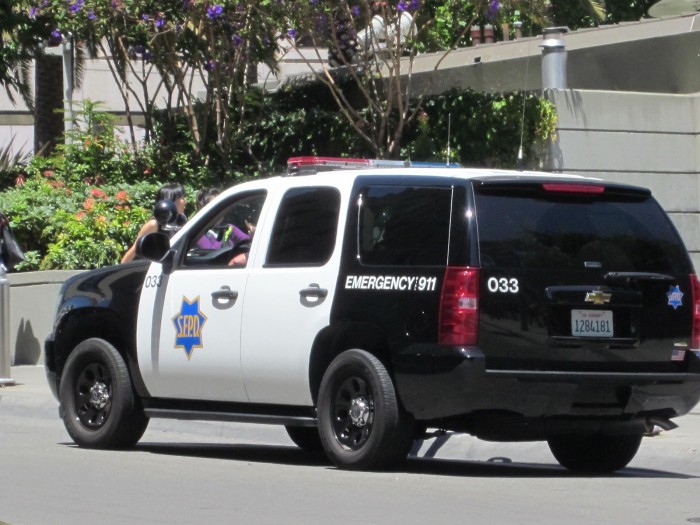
{"points": [[592, 323]]}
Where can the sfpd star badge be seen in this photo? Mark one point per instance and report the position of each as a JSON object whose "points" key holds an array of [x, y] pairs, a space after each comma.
{"points": [[188, 326], [675, 297]]}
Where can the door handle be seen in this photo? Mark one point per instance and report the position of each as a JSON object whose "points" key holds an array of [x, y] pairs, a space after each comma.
{"points": [[313, 295], [223, 298]]}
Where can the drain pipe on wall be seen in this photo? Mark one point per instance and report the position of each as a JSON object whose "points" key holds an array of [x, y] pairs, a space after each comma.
{"points": [[554, 58]]}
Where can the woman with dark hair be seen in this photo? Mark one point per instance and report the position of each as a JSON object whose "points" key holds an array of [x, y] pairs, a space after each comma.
{"points": [[170, 192]]}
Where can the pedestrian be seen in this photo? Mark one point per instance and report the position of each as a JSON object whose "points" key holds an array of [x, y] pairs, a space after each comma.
{"points": [[170, 192]]}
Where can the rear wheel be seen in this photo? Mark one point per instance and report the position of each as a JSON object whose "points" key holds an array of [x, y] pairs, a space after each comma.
{"points": [[595, 453], [99, 407], [361, 423]]}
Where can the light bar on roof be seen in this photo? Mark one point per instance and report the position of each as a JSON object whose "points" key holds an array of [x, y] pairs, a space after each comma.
{"points": [[312, 164]]}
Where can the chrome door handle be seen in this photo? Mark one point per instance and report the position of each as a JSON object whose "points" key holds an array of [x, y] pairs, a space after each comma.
{"points": [[313, 295]]}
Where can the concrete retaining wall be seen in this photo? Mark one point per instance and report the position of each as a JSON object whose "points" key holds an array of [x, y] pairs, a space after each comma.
{"points": [[33, 297], [646, 139]]}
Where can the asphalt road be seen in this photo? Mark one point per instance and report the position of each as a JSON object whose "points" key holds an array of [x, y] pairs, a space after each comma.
{"points": [[212, 473]]}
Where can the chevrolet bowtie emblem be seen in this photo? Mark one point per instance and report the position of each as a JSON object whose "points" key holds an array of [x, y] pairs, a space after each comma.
{"points": [[598, 297]]}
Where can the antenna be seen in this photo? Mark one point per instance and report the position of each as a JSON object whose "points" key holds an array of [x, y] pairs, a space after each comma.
{"points": [[449, 133], [520, 162]]}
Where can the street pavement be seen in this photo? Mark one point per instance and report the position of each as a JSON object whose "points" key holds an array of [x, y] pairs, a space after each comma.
{"points": [[678, 449]]}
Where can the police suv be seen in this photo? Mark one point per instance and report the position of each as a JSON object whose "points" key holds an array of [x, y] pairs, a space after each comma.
{"points": [[370, 305]]}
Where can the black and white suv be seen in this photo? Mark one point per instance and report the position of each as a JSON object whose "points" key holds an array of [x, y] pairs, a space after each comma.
{"points": [[371, 305]]}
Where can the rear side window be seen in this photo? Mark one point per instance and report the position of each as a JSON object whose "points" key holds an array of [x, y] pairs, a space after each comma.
{"points": [[531, 231], [305, 228], [402, 226]]}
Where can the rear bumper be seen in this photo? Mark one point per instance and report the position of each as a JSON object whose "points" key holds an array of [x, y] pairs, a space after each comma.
{"points": [[444, 382]]}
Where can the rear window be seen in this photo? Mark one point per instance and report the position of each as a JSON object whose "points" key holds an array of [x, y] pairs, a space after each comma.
{"points": [[404, 226], [539, 232]]}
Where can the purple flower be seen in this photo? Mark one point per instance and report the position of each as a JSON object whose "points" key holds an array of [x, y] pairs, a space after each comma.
{"points": [[160, 21], [32, 12], [56, 36], [210, 65], [214, 12], [92, 15], [355, 10], [493, 8], [292, 33], [76, 6], [414, 5], [145, 17], [236, 39], [402, 6]]}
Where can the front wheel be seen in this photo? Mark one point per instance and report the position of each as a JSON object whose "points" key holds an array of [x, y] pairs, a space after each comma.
{"points": [[306, 438], [99, 407], [361, 423], [595, 453]]}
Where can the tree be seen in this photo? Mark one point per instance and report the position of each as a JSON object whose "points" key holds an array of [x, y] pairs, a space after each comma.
{"points": [[195, 56], [20, 37]]}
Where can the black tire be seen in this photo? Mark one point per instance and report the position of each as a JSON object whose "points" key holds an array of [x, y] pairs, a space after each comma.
{"points": [[595, 453], [361, 423], [306, 438], [99, 407]]}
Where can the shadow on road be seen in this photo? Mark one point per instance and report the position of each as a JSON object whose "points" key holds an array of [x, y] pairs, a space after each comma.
{"points": [[497, 467]]}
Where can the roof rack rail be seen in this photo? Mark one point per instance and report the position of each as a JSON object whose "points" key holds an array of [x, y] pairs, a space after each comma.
{"points": [[312, 164]]}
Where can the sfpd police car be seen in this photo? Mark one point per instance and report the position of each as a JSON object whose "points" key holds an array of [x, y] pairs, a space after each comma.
{"points": [[372, 304]]}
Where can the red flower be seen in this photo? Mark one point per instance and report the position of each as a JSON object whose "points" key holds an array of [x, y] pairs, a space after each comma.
{"points": [[89, 204], [20, 180], [121, 196], [98, 194]]}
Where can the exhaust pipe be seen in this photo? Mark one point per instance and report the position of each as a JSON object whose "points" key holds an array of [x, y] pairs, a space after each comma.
{"points": [[661, 422]]}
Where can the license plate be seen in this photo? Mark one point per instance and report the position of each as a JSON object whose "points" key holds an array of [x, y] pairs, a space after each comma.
{"points": [[592, 323]]}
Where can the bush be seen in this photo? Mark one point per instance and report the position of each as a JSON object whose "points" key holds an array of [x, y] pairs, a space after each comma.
{"points": [[75, 228]]}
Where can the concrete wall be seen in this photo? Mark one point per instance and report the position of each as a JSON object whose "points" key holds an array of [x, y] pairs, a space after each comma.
{"points": [[33, 297], [647, 139]]}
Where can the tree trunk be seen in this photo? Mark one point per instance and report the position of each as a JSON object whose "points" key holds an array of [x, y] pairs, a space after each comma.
{"points": [[48, 93]]}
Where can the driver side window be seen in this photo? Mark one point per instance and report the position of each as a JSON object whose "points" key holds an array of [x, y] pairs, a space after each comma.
{"points": [[226, 233]]}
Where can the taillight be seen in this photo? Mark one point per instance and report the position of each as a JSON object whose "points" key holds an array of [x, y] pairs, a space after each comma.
{"points": [[695, 338], [459, 307]]}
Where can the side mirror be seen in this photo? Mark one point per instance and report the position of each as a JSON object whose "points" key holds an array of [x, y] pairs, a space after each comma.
{"points": [[153, 246]]}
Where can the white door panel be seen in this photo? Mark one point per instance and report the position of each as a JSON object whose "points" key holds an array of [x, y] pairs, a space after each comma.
{"points": [[280, 328], [195, 351]]}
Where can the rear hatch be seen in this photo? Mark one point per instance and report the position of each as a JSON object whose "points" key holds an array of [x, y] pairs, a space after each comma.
{"points": [[580, 276]]}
